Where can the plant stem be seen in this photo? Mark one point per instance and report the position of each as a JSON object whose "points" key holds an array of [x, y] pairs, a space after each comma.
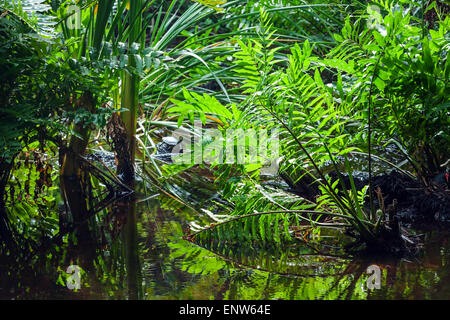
{"points": [[372, 214], [130, 88]]}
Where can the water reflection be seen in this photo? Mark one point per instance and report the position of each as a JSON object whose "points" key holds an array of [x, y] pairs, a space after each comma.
{"points": [[135, 250], [130, 242]]}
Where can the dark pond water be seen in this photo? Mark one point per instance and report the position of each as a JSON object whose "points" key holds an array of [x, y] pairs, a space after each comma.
{"points": [[135, 250]]}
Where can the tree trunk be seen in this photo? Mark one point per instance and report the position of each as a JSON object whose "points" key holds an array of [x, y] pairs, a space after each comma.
{"points": [[77, 145], [129, 101], [5, 171], [75, 195], [130, 84], [121, 147]]}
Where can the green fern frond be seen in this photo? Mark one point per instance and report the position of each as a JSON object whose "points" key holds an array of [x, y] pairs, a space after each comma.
{"points": [[35, 13]]}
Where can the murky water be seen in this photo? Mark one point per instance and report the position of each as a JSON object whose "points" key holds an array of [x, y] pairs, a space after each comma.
{"points": [[135, 250]]}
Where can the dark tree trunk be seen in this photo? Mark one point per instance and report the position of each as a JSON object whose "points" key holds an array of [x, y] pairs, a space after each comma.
{"points": [[77, 145], [5, 171], [120, 144], [75, 195]]}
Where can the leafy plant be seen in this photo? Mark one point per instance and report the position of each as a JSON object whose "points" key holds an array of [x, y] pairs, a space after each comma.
{"points": [[401, 69], [316, 127]]}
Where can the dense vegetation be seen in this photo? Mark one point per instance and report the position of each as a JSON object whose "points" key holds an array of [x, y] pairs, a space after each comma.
{"points": [[349, 87]]}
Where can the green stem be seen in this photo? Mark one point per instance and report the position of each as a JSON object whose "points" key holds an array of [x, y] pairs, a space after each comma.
{"points": [[369, 144], [130, 88]]}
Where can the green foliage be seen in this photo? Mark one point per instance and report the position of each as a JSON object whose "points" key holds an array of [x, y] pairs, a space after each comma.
{"points": [[34, 14], [408, 67], [197, 105], [390, 68], [39, 88], [321, 117], [33, 196], [30, 92], [332, 77]]}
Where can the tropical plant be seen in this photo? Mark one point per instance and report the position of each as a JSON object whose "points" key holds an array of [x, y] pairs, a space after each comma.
{"points": [[35, 94], [318, 119], [404, 67]]}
